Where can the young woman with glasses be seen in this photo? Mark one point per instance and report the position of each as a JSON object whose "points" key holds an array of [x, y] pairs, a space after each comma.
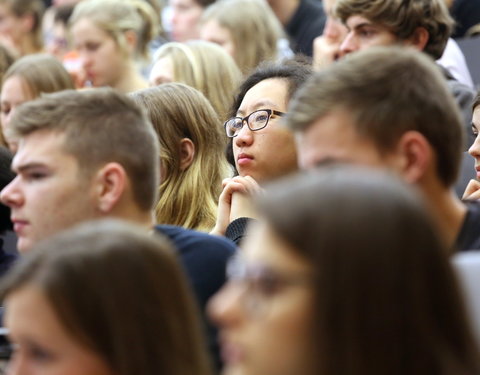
{"points": [[343, 275], [260, 148]]}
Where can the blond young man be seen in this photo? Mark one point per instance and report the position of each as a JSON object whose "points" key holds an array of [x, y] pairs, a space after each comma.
{"points": [[397, 115]]}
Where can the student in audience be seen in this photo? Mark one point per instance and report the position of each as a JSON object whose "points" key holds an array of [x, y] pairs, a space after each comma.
{"points": [[111, 38], [260, 148], [185, 17], [473, 188], [192, 160], [425, 25], [21, 26], [102, 299], [27, 79], [344, 274], [96, 156], [398, 115], [201, 65], [247, 29]]}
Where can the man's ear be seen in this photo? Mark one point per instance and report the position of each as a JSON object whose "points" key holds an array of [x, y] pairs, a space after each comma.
{"points": [[416, 156], [110, 184], [187, 153], [419, 38]]}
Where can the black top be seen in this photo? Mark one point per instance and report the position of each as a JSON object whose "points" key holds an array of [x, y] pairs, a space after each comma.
{"points": [[306, 24], [204, 259], [469, 236], [466, 14]]}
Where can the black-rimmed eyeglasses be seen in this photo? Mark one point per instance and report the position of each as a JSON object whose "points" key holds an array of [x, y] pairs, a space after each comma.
{"points": [[255, 121]]}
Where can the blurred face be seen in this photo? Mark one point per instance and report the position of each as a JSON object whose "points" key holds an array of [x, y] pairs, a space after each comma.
{"points": [[269, 152], [103, 62], [265, 312], [211, 31], [333, 138], [12, 28], [14, 92], [42, 346], [474, 150], [334, 30], [48, 194], [363, 34], [185, 16], [162, 72]]}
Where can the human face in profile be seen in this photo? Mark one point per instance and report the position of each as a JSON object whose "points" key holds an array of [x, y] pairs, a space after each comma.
{"points": [[474, 150], [42, 345], [265, 312], [270, 152], [49, 193]]}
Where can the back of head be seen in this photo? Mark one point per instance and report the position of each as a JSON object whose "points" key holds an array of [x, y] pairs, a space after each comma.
{"points": [[121, 294], [254, 28], [100, 126], [116, 17], [406, 91], [403, 18], [385, 295], [206, 67], [187, 195], [42, 74]]}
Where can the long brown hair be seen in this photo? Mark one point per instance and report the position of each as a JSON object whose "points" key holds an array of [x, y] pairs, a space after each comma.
{"points": [[120, 293], [387, 300]]}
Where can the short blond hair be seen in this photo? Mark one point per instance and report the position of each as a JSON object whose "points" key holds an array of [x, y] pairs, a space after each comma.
{"points": [[402, 18]]}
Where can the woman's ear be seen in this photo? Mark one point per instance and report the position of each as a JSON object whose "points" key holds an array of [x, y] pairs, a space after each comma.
{"points": [[27, 22], [131, 38], [416, 155], [187, 153]]}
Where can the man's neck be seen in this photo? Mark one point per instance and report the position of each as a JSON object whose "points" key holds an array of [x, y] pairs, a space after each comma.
{"points": [[448, 213]]}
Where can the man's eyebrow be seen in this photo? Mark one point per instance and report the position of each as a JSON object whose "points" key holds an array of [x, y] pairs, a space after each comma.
{"points": [[25, 167]]}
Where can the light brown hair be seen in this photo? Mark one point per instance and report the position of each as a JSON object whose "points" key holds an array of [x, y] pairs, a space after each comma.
{"points": [[119, 293], [403, 17], [100, 126], [386, 298], [187, 197], [405, 92]]}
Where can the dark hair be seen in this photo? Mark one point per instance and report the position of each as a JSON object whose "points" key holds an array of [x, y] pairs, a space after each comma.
{"points": [[6, 176], [295, 72], [386, 298], [120, 293], [476, 101]]}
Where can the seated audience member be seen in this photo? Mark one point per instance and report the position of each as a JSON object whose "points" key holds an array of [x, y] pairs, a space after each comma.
{"points": [[247, 29], [398, 115], [302, 20], [7, 258], [424, 25], [466, 14], [111, 38], [260, 148], [201, 65], [184, 18], [21, 26], [27, 79], [192, 160], [96, 156], [326, 47], [345, 274], [102, 299], [473, 188], [57, 36]]}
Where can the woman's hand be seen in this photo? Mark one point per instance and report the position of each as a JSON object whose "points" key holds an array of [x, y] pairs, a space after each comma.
{"points": [[472, 192]]}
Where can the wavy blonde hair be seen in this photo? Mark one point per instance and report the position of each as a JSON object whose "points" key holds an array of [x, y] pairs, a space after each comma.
{"points": [[254, 28], [187, 197], [206, 67]]}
